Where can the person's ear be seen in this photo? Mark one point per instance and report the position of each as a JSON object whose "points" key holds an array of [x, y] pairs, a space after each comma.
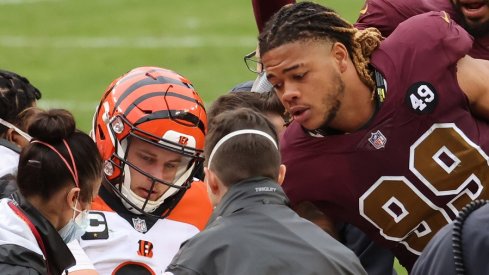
{"points": [[281, 174], [340, 55], [17, 138], [12, 136], [72, 196], [211, 180]]}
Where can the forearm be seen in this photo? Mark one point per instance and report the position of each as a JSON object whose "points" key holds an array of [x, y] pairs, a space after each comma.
{"points": [[264, 9], [309, 211]]}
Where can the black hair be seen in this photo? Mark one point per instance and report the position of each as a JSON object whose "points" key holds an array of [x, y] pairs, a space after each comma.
{"points": [[42, 172], [244, 156], [16, 94]]}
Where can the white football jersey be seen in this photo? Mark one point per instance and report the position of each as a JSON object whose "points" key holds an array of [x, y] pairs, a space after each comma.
{"points": [[134, 245]]}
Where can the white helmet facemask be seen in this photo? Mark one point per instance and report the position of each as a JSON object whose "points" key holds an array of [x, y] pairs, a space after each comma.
{"points": [[184, 171]]}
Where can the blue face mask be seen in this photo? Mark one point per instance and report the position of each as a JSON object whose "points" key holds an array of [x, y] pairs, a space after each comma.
{"points": [[76, 227]]}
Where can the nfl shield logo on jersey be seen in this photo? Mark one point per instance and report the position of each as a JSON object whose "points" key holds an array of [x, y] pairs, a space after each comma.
{"points": [[378, 140], [139, 225]]}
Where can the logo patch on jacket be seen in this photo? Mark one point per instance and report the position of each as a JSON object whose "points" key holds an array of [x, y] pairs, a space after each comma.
{"points": [[377, 139], [265, 189], [422, 98], [97, 228], [145, 249], [139, 225]]}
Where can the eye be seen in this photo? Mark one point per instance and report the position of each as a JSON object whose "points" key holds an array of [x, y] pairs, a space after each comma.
{"points": [[277, 86], [170, 165], [146, 158], [299, 76]]}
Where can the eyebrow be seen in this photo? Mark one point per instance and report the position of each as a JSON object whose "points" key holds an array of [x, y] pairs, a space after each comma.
{"points": [[175, 160], [153, 155], [146, 152], [291, 68]]}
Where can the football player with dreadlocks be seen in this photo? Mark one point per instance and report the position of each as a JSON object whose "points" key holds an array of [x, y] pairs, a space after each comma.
{"points": [[149, 128], [374, 258], [388, 135]]}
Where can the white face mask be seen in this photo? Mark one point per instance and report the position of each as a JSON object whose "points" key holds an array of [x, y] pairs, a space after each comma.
{"points": [[76, 227], [261, 84], [20, 132]]}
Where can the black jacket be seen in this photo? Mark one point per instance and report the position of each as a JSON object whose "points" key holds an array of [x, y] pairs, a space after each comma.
{"points": [[16, 253], [253, 231]]}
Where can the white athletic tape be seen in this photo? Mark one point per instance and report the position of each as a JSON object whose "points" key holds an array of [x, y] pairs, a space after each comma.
{"points": [[237, 133]]}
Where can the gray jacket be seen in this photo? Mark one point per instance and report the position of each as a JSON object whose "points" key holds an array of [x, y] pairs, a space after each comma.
{"points": [[253, 231]]}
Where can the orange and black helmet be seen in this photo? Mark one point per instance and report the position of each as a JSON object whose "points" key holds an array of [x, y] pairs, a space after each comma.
{"points": [[157, 106]]}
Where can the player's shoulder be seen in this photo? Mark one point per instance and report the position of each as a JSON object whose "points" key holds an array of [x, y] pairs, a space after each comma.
{"points": [[383, 15], [419, 40], [195, 207], [99, 204], [433, 26]]}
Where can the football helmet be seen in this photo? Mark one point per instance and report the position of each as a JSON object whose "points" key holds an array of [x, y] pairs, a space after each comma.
{"points": [[161, 108]]}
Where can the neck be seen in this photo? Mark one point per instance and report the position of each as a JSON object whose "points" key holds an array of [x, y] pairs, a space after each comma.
{"points": [[49, 209], [357, 107]]}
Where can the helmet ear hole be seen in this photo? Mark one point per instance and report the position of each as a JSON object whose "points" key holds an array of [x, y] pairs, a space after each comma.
{"points": [[101, 133]]}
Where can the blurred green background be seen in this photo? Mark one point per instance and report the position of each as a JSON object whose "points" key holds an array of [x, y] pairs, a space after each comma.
{"points": [[72, 49]]}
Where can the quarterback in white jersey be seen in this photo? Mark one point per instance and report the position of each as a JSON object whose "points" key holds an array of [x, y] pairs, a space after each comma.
{"points": [[150, 129]]}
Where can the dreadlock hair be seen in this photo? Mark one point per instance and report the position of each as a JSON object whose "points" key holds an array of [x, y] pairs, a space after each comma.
{"points": [[306, 21], [16, 95]]}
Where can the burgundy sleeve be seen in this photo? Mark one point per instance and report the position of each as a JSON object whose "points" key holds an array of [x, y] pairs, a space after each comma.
{"points": [[386, 15], [264, 9]]}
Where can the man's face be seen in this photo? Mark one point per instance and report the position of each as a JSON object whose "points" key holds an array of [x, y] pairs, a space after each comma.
{"points": [[157, 162], [307, 81], [475, 14]]}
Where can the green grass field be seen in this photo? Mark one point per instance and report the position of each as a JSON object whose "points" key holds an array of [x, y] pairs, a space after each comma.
{"points": [[72, 49]]}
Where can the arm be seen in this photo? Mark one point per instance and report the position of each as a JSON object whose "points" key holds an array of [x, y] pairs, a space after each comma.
{"points": [[83, 264], [309, 211], [472, 78], [264, 9]]}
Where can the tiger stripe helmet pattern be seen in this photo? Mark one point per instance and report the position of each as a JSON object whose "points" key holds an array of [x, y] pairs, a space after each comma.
{"points": [[160, 107]]}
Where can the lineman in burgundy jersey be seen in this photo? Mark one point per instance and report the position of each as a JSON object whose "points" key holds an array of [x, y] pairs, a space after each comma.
{"points": [[374, 258], [411, 169], [418, 160], [386, 15]]}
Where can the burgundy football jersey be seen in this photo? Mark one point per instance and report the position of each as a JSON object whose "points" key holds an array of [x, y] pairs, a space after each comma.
{"points": [[386, 15], [420, 159]]}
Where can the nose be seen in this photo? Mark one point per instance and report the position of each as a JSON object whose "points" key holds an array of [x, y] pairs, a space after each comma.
{"points": [[155, 171], [290, 94], [162, 173]]}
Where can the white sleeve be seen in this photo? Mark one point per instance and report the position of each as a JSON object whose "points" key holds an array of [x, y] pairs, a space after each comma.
{"points": [[82, 260]]}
